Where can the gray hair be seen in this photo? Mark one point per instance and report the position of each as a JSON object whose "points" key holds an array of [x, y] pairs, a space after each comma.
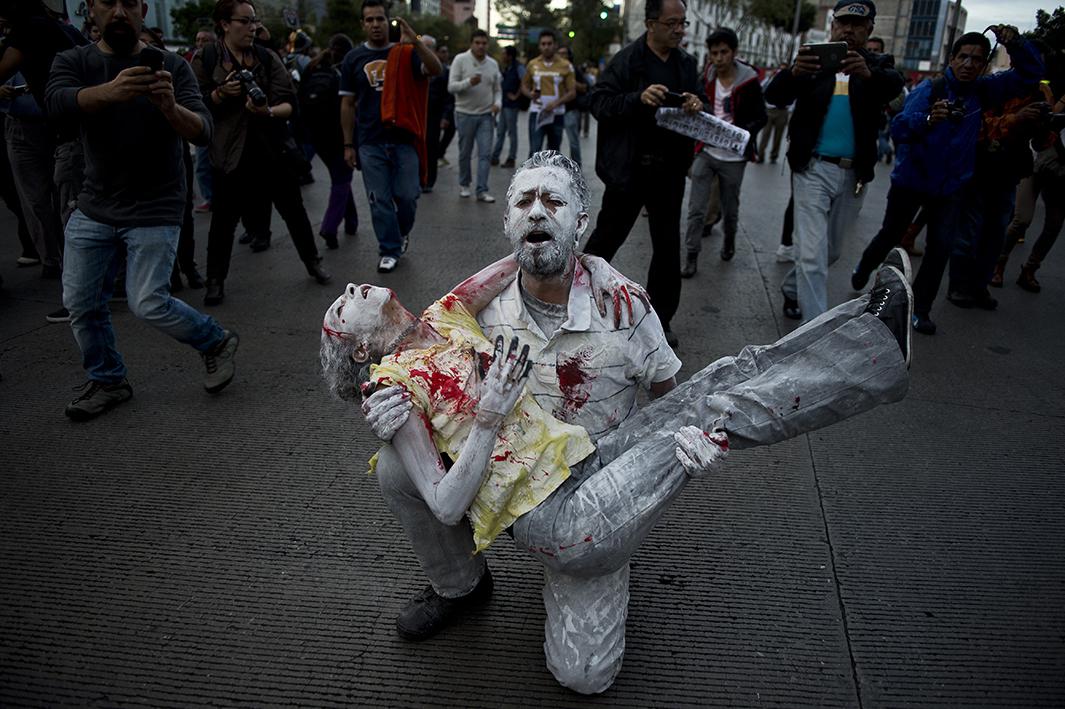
{"points": [[552, 158], [342, 374], [429, 41]]}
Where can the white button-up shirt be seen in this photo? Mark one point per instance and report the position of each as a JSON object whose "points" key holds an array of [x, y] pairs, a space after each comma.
{"points": [[588, 372]]}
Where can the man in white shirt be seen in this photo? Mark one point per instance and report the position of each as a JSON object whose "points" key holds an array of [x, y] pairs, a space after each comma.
{"points": [[735, 97], [475, 83]]}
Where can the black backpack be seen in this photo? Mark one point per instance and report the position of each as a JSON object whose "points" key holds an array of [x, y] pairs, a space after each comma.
{"points": [[319, 95]]}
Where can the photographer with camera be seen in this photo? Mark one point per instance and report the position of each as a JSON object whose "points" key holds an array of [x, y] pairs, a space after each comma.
{"points": [[935, 136], [134, 105], [251, 96], [840, 90]]}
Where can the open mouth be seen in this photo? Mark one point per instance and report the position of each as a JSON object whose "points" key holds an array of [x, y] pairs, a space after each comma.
{"points": [[537, 237], [365, 290]]}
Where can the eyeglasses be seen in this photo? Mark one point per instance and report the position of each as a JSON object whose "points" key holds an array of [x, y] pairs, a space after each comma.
{"points": [[246, 20], [974, 59], [673, 24]]}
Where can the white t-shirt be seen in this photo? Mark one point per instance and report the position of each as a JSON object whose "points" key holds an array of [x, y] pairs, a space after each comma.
{"points": [[723, 110]]}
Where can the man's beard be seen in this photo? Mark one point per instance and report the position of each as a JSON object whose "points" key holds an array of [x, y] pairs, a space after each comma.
{"points": [[550, 259], [120, 37]]}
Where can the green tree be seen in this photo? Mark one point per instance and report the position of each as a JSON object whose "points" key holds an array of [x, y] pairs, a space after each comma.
{"points": [[780, 14], [341, 16], [594, 25], [192, 17], [1050, 28], [525, 14]]}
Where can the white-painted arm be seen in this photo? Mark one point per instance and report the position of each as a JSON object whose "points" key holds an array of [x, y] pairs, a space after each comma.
{"points": [[449, 493]]}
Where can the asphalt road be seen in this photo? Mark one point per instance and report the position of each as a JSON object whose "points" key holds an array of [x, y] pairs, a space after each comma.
{"points": [[189, 550]]}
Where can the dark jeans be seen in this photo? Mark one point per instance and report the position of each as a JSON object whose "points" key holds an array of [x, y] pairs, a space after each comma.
{"points": [[553, 132], [9, 194], [186, 249], [257, 180], [788, 228], [433, 152], [661, 190], [987, 206]]}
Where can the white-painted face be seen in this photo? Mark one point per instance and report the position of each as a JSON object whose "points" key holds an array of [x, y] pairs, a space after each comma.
{"points": [[544, 221], [366, 315]]}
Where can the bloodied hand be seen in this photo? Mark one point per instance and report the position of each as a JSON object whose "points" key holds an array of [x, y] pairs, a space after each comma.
{"points": [[503, 383], [701, 453], [386, 410]]}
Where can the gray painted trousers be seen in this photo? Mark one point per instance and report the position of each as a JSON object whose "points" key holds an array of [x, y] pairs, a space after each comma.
{"points": [[839, 365]]}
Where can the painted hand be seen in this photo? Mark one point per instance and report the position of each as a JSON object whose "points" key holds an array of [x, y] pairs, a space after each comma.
{"points": [[607, 282], [701, 453], [504, 383], [386, 410]]}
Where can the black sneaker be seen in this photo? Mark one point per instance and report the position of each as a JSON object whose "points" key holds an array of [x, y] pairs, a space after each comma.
{"points": [[330, 241], [691, 264], [58, 316], [898, 258], [428, 613], [792, 311], [923, 324], [962, 300], [96, 398], [219, 363], [891, 301], [858, 279]]}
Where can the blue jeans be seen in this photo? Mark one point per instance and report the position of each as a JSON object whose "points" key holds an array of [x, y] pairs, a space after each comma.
{"points": [[89, 267], [474, 127], [826, 211], [572, 121], [508, 125], [204, 174], [390, 174], [553, 133]]}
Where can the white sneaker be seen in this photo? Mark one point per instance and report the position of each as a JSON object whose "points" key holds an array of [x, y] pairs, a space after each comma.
{"points": [[785, 254], [387, 264], [485, 197], [464, 192]]}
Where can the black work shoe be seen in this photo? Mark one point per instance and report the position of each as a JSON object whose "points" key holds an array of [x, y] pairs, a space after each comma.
{"points": [[898, 258], [984, 301], [330, 241], [219, 363], [216, 292], [858, 279], [962, 300], [923, 324], [193, 277], [315, 271], [260, 243], [96, 398], [728, 249], [246, 238], [792, 311], [891, 301], [690, 265], [428, 613]]}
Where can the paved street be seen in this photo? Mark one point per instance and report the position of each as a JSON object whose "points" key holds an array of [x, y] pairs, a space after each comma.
{"points": [[189, 550]]}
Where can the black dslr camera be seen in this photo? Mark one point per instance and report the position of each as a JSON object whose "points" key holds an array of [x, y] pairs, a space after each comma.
{"points": [[956, 110], [251, 89]]}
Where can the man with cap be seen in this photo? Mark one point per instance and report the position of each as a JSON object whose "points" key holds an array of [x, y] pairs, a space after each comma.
{"points": [[832, 152]]}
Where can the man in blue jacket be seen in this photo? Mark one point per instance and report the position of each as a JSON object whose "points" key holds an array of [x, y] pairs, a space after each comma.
{"points": [[833, 136], [936, 135]]}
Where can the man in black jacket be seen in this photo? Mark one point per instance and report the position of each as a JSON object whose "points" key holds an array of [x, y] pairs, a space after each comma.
{"points": [[640, 163], [735, 96], [833, 137]]}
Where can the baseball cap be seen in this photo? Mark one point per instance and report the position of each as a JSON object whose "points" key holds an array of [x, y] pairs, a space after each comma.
{"points": [[855, 8]]}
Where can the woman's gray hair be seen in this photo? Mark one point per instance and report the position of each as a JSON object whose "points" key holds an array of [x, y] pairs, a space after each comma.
{"points": [[552, 158], [343, 376]]}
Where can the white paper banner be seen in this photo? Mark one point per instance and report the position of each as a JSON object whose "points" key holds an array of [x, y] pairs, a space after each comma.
{"points": [[705, 128]]}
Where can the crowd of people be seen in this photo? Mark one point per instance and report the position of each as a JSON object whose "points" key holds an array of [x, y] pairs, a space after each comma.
{"points": [[972, 150], [972, 153]]}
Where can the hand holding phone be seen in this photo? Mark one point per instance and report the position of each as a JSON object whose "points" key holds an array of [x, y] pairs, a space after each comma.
{"points": [[151, 58], [394, 31], [830, 55], [673, 100]]}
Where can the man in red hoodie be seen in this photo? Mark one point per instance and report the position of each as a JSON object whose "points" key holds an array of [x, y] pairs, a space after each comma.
{"points": [[735, 95]]}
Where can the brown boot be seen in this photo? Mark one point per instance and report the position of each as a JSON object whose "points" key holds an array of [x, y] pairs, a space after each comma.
{"points": [[1027, 278], [909, 241], [999, 274]]}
